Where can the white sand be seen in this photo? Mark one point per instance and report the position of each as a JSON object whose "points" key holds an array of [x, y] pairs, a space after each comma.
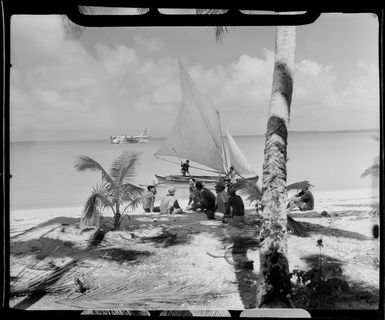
{"points": [[191, 259]]}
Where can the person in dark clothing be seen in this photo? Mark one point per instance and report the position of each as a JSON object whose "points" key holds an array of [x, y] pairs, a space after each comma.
{"points": [[304, 200], [235, 208], [185, 168], [206, 199]]}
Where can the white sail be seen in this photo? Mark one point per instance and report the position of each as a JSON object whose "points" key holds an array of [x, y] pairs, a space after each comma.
{"points": [[197, 136], [237, 159], [196, 133]]}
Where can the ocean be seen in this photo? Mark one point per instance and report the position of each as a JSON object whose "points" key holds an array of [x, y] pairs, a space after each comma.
{"points": [[43, 175]]}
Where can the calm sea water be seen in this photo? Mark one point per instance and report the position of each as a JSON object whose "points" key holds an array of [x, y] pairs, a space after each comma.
{"points": [[43, 175]]}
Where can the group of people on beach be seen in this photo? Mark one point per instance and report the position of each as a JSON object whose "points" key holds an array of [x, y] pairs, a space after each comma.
{"points": [[226, 205]]}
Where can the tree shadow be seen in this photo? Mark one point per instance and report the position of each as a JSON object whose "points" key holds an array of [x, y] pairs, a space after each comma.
{"points": [[319, 229], [236, 255], [325, 286]]}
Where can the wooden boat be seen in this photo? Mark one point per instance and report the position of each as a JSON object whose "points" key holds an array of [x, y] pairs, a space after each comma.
{"points": [[185, 179], [197, 135]]}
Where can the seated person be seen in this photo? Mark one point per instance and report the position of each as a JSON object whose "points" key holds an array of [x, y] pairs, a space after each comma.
{"points": [[193, 196], [304, 200], [148, 200], [169, 204], [235, 209], [185, 168], [207, 200], [221, 200]]}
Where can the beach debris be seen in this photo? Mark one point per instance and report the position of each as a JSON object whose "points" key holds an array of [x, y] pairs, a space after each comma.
{"points": [[297, 228], [325, 214], [86, 229], [96, 238], [42, 282], [80, 286], [144, 291]]}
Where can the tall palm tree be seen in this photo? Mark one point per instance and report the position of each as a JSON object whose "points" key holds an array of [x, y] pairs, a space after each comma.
{"points": [[115, 191], [274, 288]]}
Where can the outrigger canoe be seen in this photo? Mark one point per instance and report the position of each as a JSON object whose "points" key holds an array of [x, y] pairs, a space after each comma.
{"points": [[185, 179]]}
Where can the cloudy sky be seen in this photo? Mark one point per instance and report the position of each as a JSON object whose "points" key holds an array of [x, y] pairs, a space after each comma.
{"points": [[118, 80]]}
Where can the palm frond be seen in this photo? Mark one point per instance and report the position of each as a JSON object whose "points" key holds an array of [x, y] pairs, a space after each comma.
{"points": [[299, 185], [74, 29], [130, 191], [84, 163], [124, 167], [133, 204], [219, 30], [97, 201], [373, 171], [297, 228], [249, 189], [147, 291]]}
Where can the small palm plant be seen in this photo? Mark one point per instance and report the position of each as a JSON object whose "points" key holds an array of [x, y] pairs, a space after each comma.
{"points": [[115, 192], [373, 171]]}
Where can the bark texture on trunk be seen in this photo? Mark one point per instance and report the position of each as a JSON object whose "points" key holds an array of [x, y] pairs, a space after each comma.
{"points": [[274, 287]]}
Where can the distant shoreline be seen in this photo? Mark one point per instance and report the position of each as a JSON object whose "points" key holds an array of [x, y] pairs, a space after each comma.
{"points": [[240, 135]]}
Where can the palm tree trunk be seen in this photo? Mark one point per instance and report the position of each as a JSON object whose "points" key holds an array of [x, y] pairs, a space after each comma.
{"points": [[274, 288], [117, 217]]}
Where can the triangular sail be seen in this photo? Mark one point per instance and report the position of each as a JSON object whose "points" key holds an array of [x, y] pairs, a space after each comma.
{"points": [[237, 159], [196, 133]]}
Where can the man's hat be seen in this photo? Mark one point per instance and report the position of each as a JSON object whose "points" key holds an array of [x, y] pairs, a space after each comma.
{"points": [[171, 190]]}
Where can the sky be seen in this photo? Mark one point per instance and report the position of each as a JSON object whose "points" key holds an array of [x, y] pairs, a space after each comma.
{"points": [[114, 81]]}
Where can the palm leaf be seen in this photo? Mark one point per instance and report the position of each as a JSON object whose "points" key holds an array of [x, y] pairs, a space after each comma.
{"points": [[75, 29], [249, 189], [253, 192], [84, 163], [124, 167], [130, 191], [133, 204], [299, 185], [97, 201], [374, 170], [219, 30]]}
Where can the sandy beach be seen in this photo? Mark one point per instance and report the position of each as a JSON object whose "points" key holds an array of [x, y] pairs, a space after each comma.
{"points": [[186, 261]]}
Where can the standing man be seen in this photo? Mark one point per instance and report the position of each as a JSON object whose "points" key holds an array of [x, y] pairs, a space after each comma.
{"points": [[185, 168]]}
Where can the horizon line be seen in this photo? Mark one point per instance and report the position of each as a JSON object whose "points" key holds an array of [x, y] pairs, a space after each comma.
{"points": [[237, 135]]}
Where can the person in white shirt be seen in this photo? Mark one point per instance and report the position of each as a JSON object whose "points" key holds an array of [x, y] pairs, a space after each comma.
{"points": [[169, 204]]}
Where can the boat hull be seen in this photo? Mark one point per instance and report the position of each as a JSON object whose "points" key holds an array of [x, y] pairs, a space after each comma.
{"points": [[185, 179]]}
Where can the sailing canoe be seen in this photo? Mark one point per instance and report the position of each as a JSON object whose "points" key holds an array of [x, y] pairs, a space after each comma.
{"points": [[197, 136], [185, 179]]}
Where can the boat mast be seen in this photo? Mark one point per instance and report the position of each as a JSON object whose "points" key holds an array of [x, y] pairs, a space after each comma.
{"points": [[223, 144]]}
